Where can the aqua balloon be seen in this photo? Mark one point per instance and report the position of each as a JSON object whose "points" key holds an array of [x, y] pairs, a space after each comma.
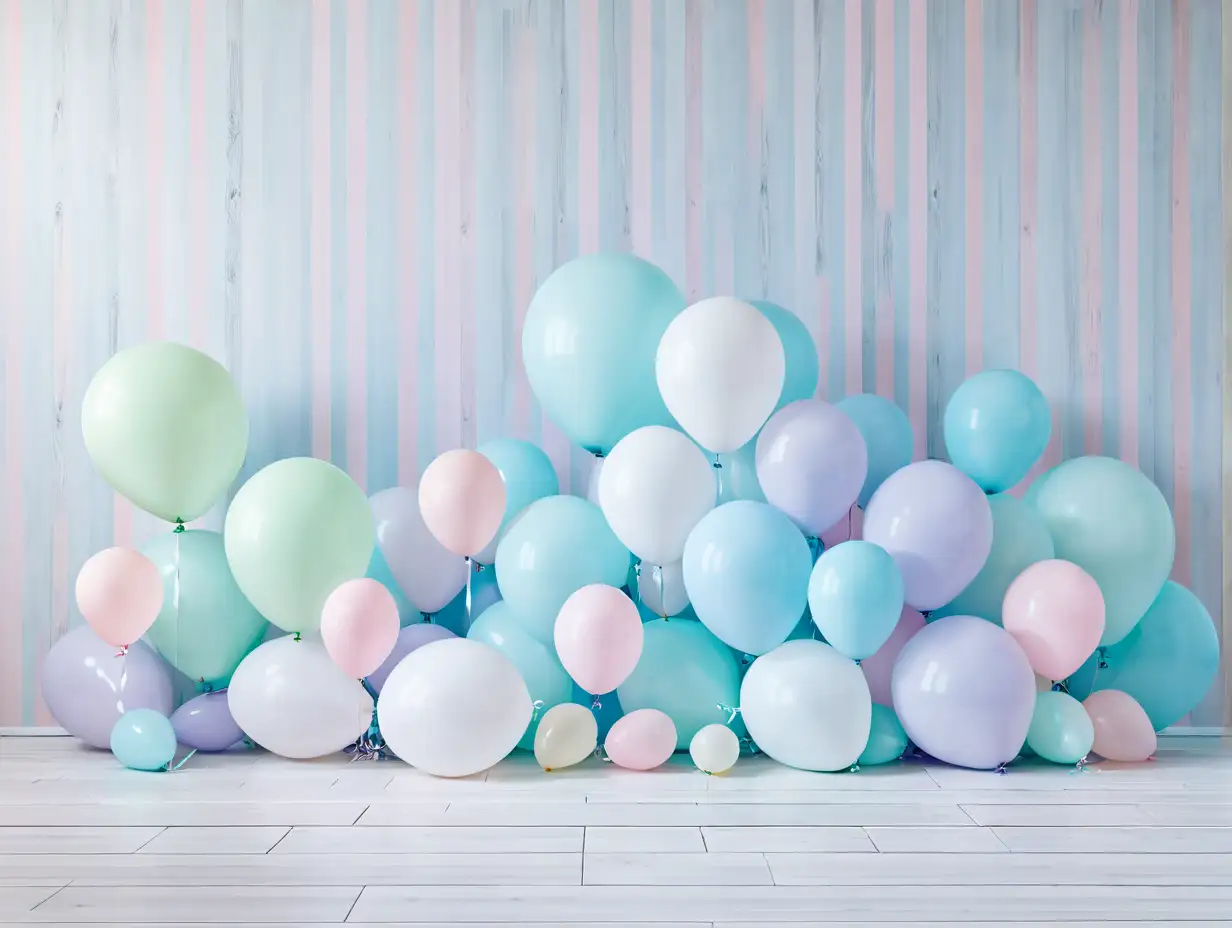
{"points": [[142, 739], [528, 475], [887, 435], [996, 426], [886, 739], [855, 595], [801, 366], [1061, 731]]}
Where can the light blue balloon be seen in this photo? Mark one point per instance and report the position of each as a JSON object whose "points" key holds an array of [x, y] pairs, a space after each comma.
{"points": [[559, 545], [887, 435], [855, 594], [996, 426], [886, 739], [1061, 731], [142, 739], [799, 352], [746, 569], [526, 470], [737, 478], [484, 593], [589, 344], [685, 672], [1019, 539]]}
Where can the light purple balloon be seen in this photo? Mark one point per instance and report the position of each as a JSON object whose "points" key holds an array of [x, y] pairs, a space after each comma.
{"points": [[204, 723], [87, 687], [964, 692], [937, 525], [410, 639], [811, 464]]}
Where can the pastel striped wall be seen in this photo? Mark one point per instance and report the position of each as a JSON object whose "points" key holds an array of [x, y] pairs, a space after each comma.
{"points": [[350, 202]]}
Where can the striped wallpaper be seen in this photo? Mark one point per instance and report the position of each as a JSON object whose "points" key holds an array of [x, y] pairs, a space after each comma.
{"points": [[350, 202]]}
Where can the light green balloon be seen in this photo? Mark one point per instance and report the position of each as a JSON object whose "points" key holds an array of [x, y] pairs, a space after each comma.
{"points": [[1061, 731], [206, 628], [295, 532], [166, 427], [886, 739]]}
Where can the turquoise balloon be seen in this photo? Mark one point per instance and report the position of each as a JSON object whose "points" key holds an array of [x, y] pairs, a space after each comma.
{"points": [[996, 426], [206, 629], [527, 472], [887, 435], [685, 672], [589, 344], [855, 594], [1019, 539], [738, 475], [1061, 731], [799, 352], [143, 740], [886, 739], [559, 545]]}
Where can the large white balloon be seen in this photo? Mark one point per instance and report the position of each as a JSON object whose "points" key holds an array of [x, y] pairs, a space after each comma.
{"points": [[807, 706], [653, 488], [661, 588], [720, 368], [454, 707], [289, 697]]}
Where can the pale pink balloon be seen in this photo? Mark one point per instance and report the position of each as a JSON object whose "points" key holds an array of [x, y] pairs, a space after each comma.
{"points": [[849, 528], [119, 593], [462, 501], [598, 637], [359, 626], [879, 668], [642, 740], [1055, 610], [1122, 728]]}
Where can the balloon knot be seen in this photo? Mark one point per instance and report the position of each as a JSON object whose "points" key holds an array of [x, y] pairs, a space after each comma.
{"points": [[547, 769], [297, 637], [854, 768], [1001, 771], [857, 662], [732, 711], [1081, 766], [480, 568], [427, 617], [596, 705], [179, 527], [717, 465], [123, 652]]}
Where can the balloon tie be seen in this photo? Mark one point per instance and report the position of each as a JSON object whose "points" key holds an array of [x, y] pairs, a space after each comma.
{"points": [[746, 659], [469, 571], [815, 547], [298, 637], [427, 617], [123, 652], [1103, 657], [1081, 766], [179, 527], [748, 743], [732, 711], [1001, 771], [249, 743], [718, 475], [536, 707], [205, 687], [854, 768], [596, 705], [171, 769], [371, 744], [637, 578]]}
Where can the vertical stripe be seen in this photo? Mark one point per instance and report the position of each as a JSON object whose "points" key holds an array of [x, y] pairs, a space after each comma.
{"points": [[194, 258], [640, 53], [1091, 273], [804, 126], [447, 134], [752, 218], [524, 150], [1182, 427], [1028, 109], [693, 150], [357, 241], [1225, 565], [1127, 224], [588, 127], [883, 132], [853, 309], [973, 157], [917, 183], [156, 325], [321, 229], [466, 224], [407, 145]]}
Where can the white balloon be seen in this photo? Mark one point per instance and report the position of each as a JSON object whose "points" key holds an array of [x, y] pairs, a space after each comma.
{"points": [[715, 749], [720, 367], [427, 573], [567, 735], [807, 706], [661, 588], [289, 697], [592, 479], [454, 707]]}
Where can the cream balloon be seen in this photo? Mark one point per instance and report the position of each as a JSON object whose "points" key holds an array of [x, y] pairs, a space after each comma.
{"points": [[661, 588], [715, 749], [567, 735]]}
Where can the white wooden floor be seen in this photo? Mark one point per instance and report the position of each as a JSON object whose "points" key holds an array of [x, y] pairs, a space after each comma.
{"points": [[249, 838]]}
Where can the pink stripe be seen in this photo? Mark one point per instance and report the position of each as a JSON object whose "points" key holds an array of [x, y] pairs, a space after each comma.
{"points": [[195, 260], [693, 150], [357, 241], [467, 180], [807, 289], [588, 126], [917, 220], [156, 80], [1127, 231], [973, 296], [408, 139], [321, 228], [1091, 278], [11, 181], [640, 126], [1182, 476], [852, 219], [883, 180], [525, 114], [447, 132]]}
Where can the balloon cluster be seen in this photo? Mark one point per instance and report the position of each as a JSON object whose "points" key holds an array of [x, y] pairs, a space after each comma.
{"points": [[752, 569]]}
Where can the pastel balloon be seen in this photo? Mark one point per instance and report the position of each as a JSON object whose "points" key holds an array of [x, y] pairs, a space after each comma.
{"points": [[641, 740], [848, 528], [1055, 612], [567, 735], [528, 475], [720, 368], [1061, 731], [425, 571], [462, 499], [879, 667], [410, 638], [855, 595], [484, 594], [359, 626], [204, 723], [165, 426], [887, 741], [738, 475], [1122, 729], [142, 739], [996, 426], [598, 636], [887, 435], [119, 593], [715, 749], [937, 525], [661, 588], [800, 364]]}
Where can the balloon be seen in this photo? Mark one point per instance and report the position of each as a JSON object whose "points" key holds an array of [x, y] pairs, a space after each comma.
{"points": [[715, 749], [1112, 522], [410, 638], [855, 594], [205, 724], [887, 436], [886, 739], [528, 475], [484, 593], [849, 528], [166, 427], [598, 637], [605, 708], [685, 672], [429, 575], [654, 487], [462, 500], [454, 708], [567, 735], [937, 525], [87, 686], [811, 464], [964, 692], [290, 698], [559, 545], [143, 740], [642, 740], [807, 706], [1055, 612], [295, 531], [359, 626], [1019, 539], [1122, 730], [996, 426], [661, 588], [738, 476], [720, 369], [120, 594], [1061, 730], [800, 365], [879, 667]]}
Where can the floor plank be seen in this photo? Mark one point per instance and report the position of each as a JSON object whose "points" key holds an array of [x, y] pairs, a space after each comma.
{"points": [[624, 840], [137, 905], [66, 839], [786, 839], [650, 869], [242, 839], [1118, 840], [437, 840]]}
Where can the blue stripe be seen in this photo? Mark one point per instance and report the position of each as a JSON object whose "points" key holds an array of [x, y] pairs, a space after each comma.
{"points": [[1110, 128], [870, 235], [780, 178], [902, 204], [492, 157], [425, 243], [338, 239], [829, 26], [671, 252]]}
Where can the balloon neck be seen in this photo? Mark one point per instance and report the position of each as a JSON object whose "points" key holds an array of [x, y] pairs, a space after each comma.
{"points": [[427, 617], [1103, 657], [297, 637], [179, 527], [596, 705], [123, 652]]}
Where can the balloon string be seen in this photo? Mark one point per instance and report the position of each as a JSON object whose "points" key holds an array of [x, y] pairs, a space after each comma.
{"points": [[469, 571], [657, 573], [732, 711], [637, 577], [718, 473], [596, 705], [175, 586], [426, 616], [182, 762]]}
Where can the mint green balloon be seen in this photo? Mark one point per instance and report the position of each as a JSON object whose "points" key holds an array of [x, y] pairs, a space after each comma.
{"points": [[142, 739], [887, 741], [1061, 731], [165, 426], [295, 532]]}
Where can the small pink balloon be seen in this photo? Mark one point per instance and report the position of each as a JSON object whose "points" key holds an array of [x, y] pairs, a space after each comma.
{"points": [[1055, 611], [359, 626], [642, 740], [880, 667], [849, 528], [1122, 728], [598, 637], [462, 501], [119, 593]]}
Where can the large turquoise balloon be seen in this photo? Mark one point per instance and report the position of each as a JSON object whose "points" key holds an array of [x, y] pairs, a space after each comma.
{"points": [[887, 435], [589, 344], [996, 426], [685, 672], [799, 352], [886, 739], [1061, 731], [528, 475], [855, 595], [142, 739]]}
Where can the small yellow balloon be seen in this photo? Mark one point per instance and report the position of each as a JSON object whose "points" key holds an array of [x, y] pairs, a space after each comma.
{"points": [[567, 735], [715, 749]]}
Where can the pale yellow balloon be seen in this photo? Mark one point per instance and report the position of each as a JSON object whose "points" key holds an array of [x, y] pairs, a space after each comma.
{"points": [[715, 749], [567, 735]]}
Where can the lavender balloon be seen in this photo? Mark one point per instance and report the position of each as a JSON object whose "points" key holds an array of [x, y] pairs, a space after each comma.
{"points": [[87, 687], [965, 692], [936, 524], [410, 639], [205, 723]]}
